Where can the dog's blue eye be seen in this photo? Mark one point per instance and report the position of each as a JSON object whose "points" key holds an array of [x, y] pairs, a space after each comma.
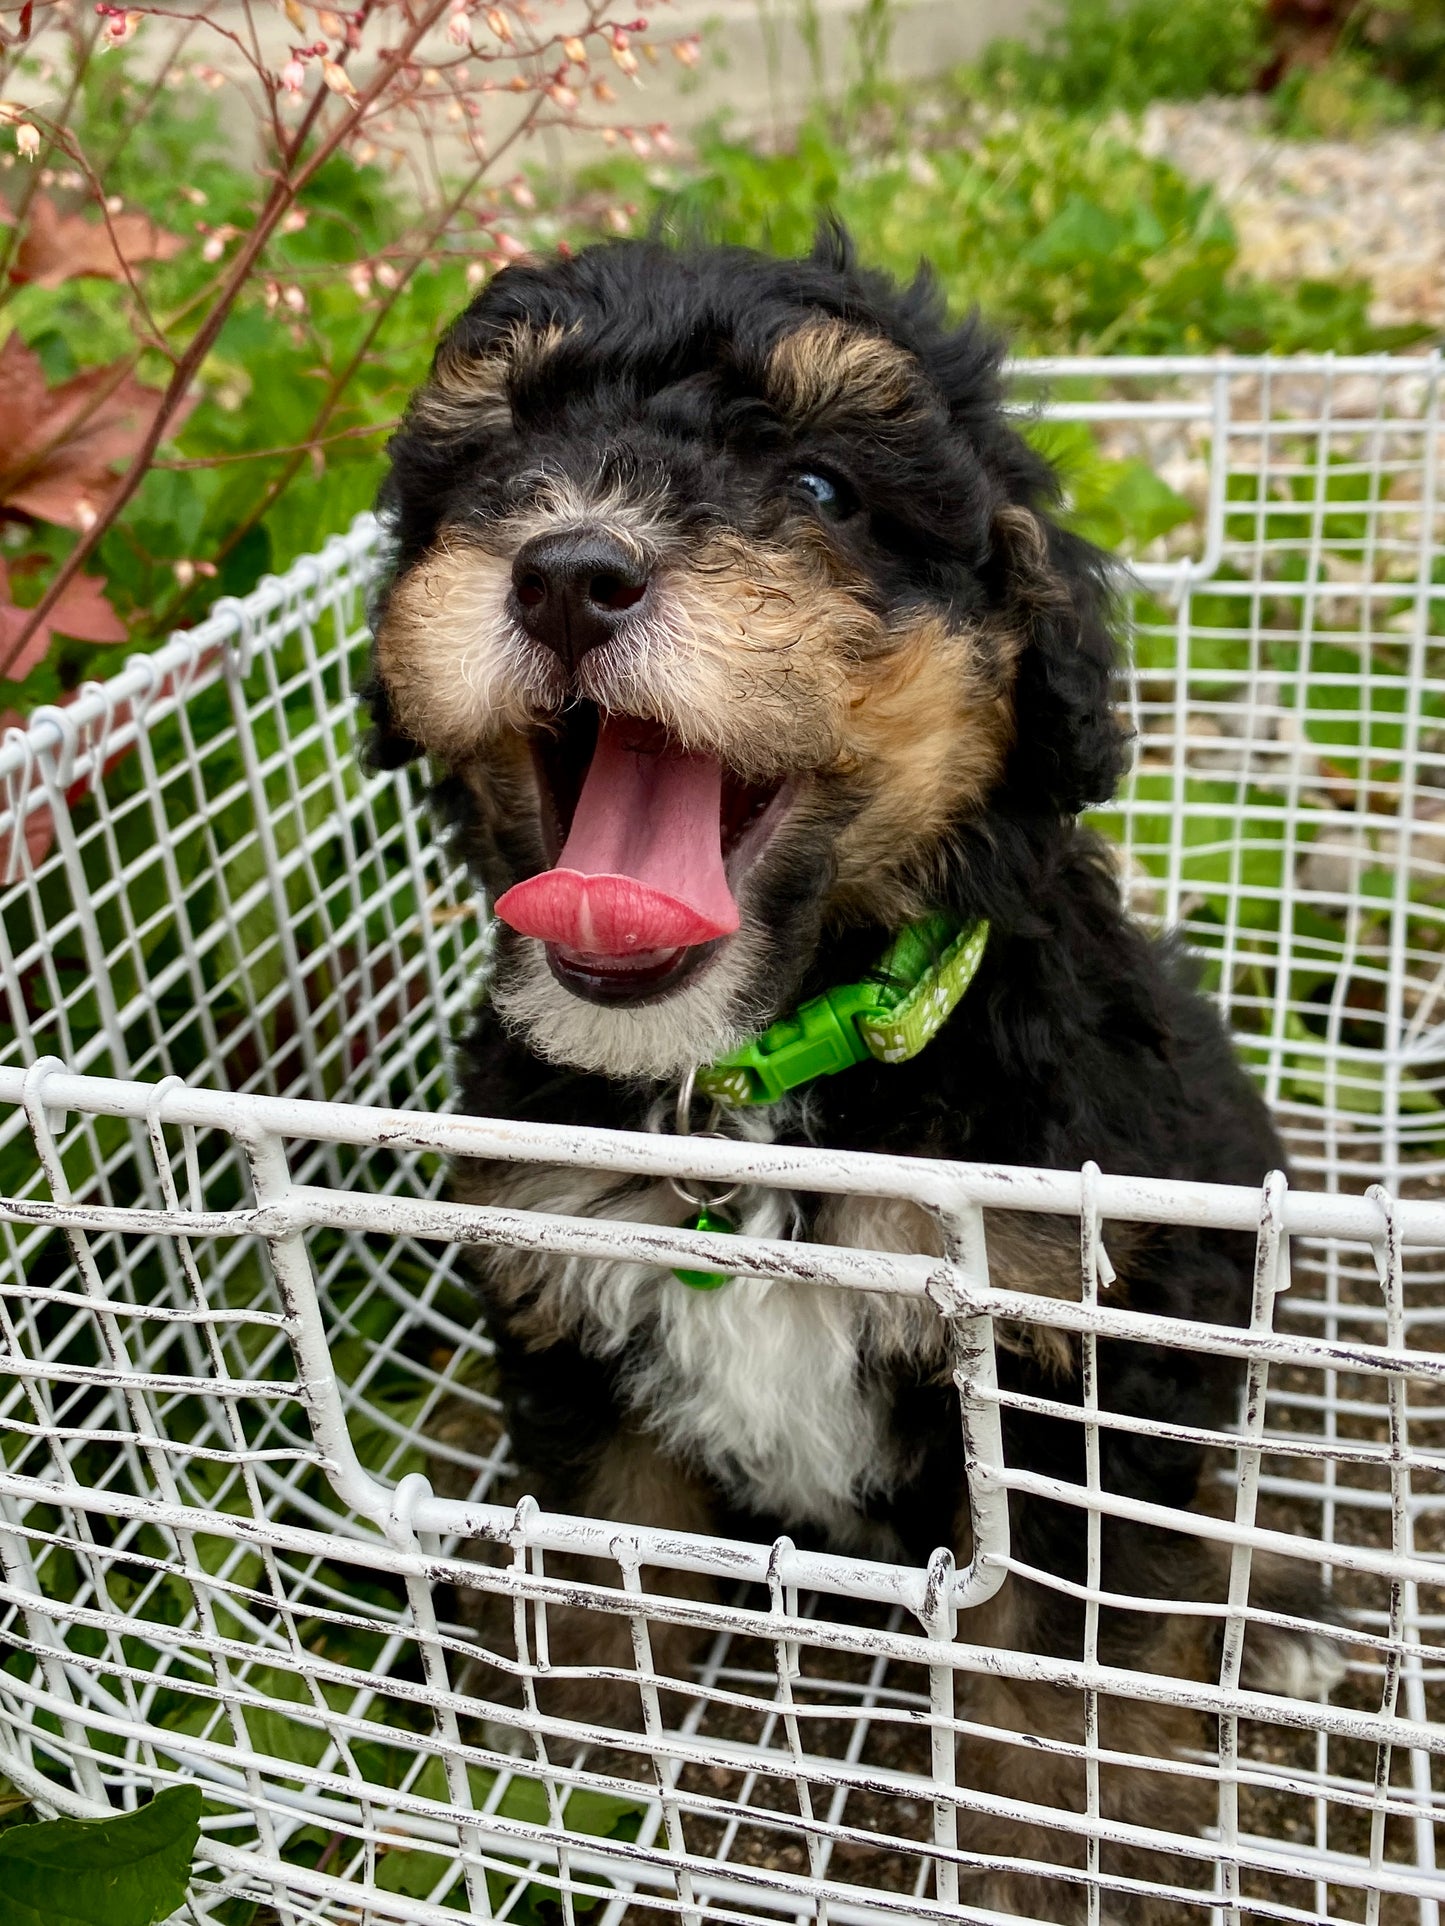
{"points": [[827, 494]]}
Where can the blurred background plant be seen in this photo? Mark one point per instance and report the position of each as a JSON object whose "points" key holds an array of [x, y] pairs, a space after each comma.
{"points": [[229, 233], [1348, 66], [1060, 229], [1098, 53], [229, 237], [1329, 66]]}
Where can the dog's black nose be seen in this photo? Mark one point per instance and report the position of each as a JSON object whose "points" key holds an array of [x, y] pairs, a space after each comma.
{"points": [[574, 589]]}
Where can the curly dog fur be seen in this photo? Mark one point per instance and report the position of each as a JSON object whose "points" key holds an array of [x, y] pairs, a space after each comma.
{"points": [[844, 579]]}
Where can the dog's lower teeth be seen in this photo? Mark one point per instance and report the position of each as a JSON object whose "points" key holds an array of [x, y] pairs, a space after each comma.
{"points": [[595, 965]]}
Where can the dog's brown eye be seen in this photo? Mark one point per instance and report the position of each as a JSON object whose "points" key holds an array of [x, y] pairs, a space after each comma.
{"points": [[831, 499]]}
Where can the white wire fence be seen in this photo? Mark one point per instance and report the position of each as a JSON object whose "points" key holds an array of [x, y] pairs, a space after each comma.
{"points": [[257, 1522]]}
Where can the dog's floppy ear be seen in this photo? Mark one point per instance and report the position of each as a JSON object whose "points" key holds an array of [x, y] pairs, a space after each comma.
{"points": [[1070, 746]]}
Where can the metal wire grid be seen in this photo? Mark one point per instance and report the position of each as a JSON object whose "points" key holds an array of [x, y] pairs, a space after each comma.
{"points": [[1288, 798], [204, 888]]}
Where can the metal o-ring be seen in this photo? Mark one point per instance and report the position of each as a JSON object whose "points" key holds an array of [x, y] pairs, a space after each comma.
{"points": [[684, 1129], [683, 1118], [706, 1203]]}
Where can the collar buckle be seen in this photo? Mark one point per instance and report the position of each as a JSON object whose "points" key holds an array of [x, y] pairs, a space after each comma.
{"points": [[921, 979], [818, 1039]]}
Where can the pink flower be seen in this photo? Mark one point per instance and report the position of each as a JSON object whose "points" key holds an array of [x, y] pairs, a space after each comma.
{"points": [[119, 25]]}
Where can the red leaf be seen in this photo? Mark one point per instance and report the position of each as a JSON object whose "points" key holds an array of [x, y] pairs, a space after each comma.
{"points": [[59, 444], [12, 622], [81, 612], [58, 247]]}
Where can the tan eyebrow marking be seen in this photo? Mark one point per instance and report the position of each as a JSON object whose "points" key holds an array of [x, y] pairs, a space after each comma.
{"points": [[826, 365], [469, 391]]}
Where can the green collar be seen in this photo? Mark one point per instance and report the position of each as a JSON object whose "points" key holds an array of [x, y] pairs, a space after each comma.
{"points": [[890, 1016]]}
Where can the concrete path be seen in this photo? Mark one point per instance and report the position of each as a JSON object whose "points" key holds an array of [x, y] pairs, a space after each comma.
{"points": [[755, 65]]}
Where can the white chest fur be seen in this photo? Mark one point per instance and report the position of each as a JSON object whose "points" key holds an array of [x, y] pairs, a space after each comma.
{"points": [[767, 1383], [772, 1386]]}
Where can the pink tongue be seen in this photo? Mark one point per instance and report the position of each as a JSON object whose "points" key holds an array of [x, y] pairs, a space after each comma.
{"points": [[642, 867]]}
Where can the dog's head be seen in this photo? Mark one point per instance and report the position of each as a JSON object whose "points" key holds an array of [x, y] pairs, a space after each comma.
{"points": [[729, 599]]}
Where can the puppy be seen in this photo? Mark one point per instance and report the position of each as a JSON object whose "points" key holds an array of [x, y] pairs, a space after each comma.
{"points": [[739, 618]]}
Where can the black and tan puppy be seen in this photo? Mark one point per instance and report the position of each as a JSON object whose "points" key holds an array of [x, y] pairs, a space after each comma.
{"points": [[738, 616]]}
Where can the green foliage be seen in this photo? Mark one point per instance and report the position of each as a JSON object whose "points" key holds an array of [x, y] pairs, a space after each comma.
{"points": [[131, 1870], [431, 1875], [289, 1728], [1387, 65], [1061, 230], [1347, 98], [13, 1803], [1125, 53], [241, 509], [1406, 39], [1121, 505], [1223, 842], [341, 368]]}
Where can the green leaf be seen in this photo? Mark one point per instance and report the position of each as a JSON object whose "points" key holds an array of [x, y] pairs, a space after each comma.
{"points": [[131, 1870], [1118, 504], [599, 1813], [416, 1875], [1082, 230], [11, 1799]]}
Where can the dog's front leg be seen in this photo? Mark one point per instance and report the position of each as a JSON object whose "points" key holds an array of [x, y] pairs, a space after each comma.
{"points": [[597, 1658]]}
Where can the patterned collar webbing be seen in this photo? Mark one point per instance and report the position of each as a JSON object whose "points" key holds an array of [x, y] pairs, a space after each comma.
{"points": [[890, 1016]]}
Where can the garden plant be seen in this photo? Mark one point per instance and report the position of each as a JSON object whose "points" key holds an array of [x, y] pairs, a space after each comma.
{"points": [[229, 235]]}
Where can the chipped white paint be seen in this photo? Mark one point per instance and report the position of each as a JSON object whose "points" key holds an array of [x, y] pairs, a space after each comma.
{"points": [[244, 1409]]}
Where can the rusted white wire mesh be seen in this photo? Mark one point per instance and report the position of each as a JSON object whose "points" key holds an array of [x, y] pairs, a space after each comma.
{"points": [[254, 1512]]}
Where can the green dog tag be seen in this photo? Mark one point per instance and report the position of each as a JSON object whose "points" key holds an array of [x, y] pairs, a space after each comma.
{"points": [[706, 1220]]}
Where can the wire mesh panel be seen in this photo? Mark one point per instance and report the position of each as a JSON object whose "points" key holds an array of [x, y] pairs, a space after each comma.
{"points": [[1288, 796], [257, 1524], [201, 883]]}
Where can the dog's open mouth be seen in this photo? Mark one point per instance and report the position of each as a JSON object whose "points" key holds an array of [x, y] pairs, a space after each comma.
{"points": [[650, 841]]}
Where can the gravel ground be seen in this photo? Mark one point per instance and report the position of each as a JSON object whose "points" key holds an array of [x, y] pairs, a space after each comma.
{"points": [[1320, 209]]}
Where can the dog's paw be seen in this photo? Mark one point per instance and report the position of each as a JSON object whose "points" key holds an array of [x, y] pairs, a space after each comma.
{"points": [[1294, 1665], [513, 1740]]}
